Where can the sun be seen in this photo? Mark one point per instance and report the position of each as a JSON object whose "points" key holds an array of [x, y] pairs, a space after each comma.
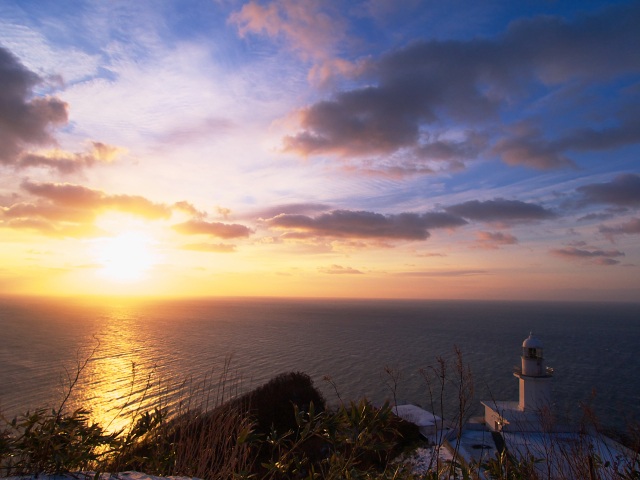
{"points": [[125, 258]]}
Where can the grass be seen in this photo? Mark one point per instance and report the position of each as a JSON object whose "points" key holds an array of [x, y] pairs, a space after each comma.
{"points": [[281, 430]]}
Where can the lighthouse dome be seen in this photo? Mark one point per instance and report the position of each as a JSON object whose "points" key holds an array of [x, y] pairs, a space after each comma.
{"points": [[531, 342]]}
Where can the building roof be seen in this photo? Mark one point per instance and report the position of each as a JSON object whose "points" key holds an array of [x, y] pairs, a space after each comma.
{"points": [[531, 342]]}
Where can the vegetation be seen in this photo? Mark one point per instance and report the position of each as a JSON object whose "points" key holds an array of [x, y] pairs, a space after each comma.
{"points": [[281, 430]]}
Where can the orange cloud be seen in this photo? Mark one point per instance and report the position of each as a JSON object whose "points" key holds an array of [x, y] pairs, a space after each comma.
{"points": [[215, 229], [339, 270], [77, 196], [210, 247], [493, 240], [71, 210], [309, 27]]}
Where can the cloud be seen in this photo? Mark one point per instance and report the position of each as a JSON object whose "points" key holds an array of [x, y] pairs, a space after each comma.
{"points": [[493, 240], [471, 83], [632, 227], [606, 261], [189, 209], [527, 147], [600, 257], [368, 225], [500, 210], [339, 270], [202, 130], [66, 163], [292, 209], [210, 247], [48, 211], [444, 273], [79, 197], [54, 229], [623, 190], [25, 121], [214, 229], [596, 216], [67, 210], [310, 28]]}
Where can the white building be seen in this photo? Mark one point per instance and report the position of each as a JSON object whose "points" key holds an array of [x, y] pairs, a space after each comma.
{"points": [[533, 407]]}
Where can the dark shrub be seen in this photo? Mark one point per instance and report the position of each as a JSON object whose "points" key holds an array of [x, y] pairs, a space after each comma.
{"points": [[272, 404]]}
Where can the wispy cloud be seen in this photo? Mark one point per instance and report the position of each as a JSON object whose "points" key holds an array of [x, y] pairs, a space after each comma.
{"points": [[210, 247], [632, 227], [291, 209], [597, 256], [444, 273], [339, 270]]}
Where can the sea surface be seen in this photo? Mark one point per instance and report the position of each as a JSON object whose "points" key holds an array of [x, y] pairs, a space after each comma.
{"points": [[130, 355]]}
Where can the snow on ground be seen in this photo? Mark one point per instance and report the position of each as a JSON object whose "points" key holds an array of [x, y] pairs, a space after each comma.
{"points": [[423, 459]]}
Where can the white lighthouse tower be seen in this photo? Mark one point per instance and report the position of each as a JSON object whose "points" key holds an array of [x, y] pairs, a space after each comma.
{"points": [[528, 413], [534, 376]]}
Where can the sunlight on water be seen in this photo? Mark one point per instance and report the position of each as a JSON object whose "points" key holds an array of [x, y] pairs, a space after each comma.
{"points": [[149, 354]]}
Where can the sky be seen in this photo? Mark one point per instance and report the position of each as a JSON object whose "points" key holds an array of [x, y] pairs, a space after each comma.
{"points": [[374, 148]]}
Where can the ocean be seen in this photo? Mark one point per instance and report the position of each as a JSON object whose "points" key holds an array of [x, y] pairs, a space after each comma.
{"points": [[143, 353]]}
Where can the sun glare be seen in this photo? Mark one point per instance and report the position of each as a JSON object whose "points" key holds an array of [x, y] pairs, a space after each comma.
{"points": [[125, 258]]}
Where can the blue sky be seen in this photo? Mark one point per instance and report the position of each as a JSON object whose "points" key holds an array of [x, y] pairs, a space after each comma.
{"points": [[322, 148]]}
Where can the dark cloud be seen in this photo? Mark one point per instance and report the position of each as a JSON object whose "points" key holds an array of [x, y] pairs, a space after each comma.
{"points": [[493, 240], [451, 151], [339, 270], [79, 197], [500, 210], [606, 261], [624, 190], [214, 229], [27, 121], [632, 227], [24, 121], [573, 253], [210, 247], [526, 146], [430, 84], [362, 224], [596, 216]]}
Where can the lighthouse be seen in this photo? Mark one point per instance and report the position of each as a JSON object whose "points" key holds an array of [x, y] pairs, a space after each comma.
{"points": [[527, 414], [534, 376]]}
